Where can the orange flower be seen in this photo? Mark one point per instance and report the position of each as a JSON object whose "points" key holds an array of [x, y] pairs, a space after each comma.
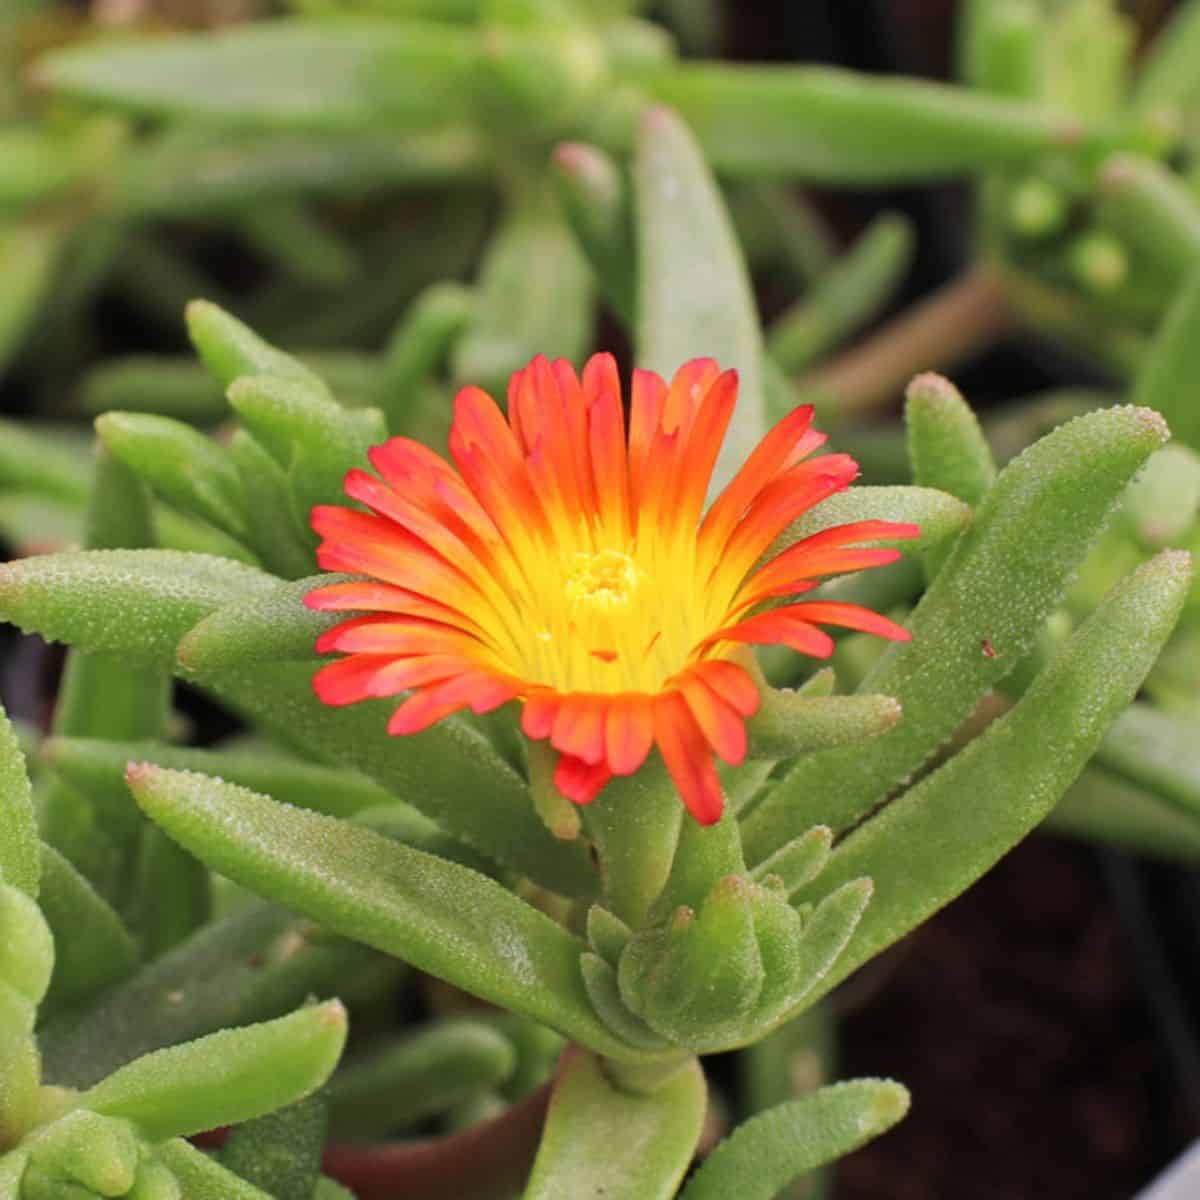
{"points": [[573, 569]]}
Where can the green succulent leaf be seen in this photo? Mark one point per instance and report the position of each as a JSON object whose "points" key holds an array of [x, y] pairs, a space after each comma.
{"points": [[1105, 808], [278, 74], [928, 845], [945, 442], [26, 944], [96, 766], [402, 1079], [441, 917], [1172, 360], [762, 1156], [533, 296], [226, 1077], [20, 856], [133, 602], [450, 772], [93, 948], [1157, 751], [201, 1177], [846, 296], [823, 124], [186, 468], [255, 964], [598, 205], [694, 294], [280, 1151], [979, 617], [590, 1116], [231, 349]]}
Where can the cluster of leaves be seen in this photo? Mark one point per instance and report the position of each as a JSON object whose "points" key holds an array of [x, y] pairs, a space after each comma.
{"points": [[165, 893]]}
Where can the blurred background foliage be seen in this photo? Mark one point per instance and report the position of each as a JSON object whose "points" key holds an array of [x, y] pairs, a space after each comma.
{"points": [[415, 194]]}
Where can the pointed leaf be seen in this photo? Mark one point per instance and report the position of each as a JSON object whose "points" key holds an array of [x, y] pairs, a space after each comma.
{"points": [[450, 772], [936, 839], [402, 1079], [979, 617], [278, 74], [945, 443], [93, 949], [226, 1077], [133, 602], [694, 295], [183, 466], [590, 1117], [762, 1156], [823, 124], [280, 1151], [93, 765], [20, 856], [846, 296], [260, 962], [441, 917], [1172, 360]]}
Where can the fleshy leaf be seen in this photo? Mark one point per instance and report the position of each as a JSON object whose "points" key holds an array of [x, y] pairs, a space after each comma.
{"points": [[280, 1151], [133, 602], [846, 296], [694, 295], [590, 1117], [95, 765], [227, 1077], [256, 964], [93, 949], [278, 74], [837, 126], [402, 1079], [451, 772], [1107, 809], [20, 856], [763, 1155], [441, 917], [936, 839], [979, 617]]}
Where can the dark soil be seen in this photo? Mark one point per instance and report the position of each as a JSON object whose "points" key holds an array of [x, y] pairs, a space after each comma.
{"points": [[1017, 1020]]}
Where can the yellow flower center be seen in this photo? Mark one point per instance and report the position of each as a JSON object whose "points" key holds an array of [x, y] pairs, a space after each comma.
{"points": [[604, 581]]}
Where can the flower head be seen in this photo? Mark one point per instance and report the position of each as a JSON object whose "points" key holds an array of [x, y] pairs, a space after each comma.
{"points": [[569, 564]]}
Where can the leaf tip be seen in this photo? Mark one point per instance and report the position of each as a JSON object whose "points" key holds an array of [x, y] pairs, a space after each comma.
{"points": [[931, 390], [1154, 423], [889, 1104]]}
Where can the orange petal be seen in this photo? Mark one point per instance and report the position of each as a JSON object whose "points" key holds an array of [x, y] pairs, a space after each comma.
{"points": [[722, 727], [849, 616], [628, 732], [580, 781], [395, 635], [578, 728], [480, 691], [537, 717], [732, 683], [785, 444], [688, 758], [348, 680], [781, 502], [779, 626], [648, 395], [418, 670], [793, 570], [606, 436]]}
